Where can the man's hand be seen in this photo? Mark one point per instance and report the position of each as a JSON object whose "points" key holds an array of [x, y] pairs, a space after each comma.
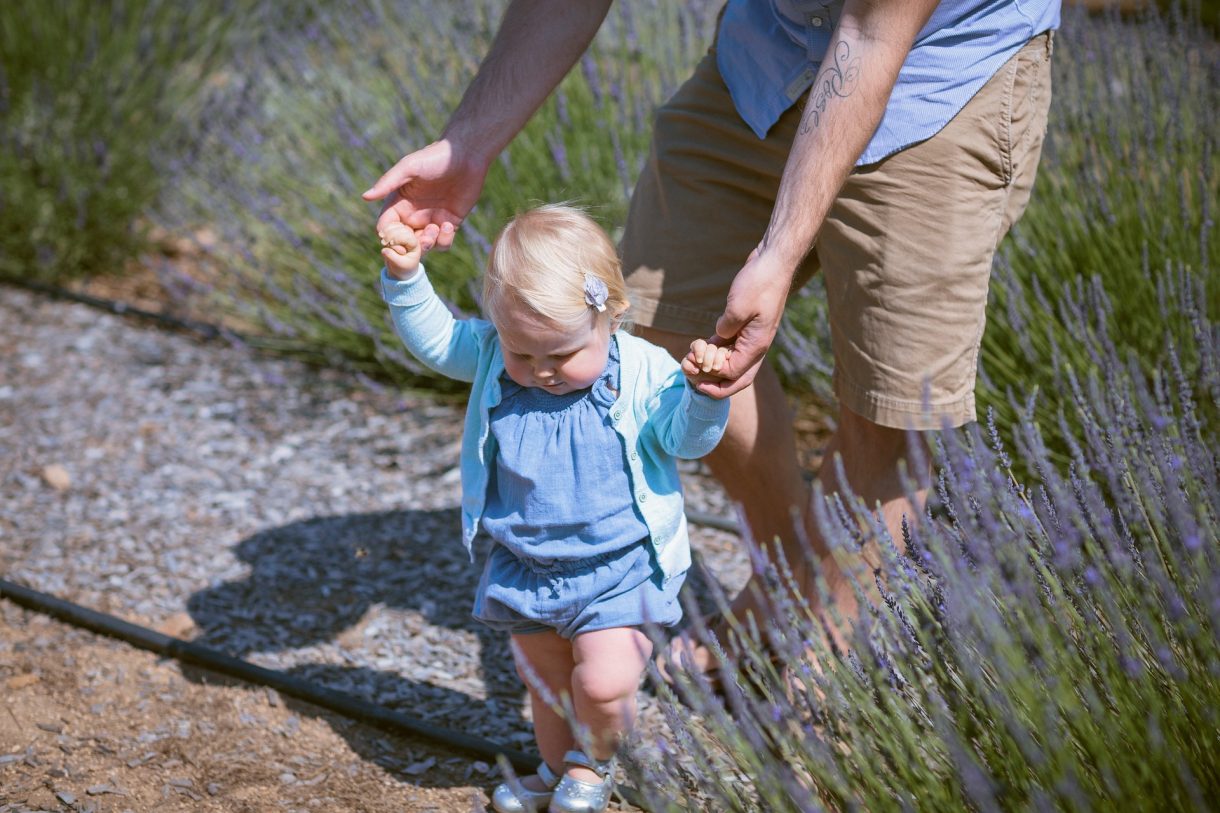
{"points": [[704, 361], [431, 190], [751, 318], [402, 250]]}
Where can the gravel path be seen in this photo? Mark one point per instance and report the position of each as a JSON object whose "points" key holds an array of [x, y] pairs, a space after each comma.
{"points": [[278, 513]]}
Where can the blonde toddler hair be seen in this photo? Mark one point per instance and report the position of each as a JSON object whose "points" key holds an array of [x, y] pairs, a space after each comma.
{"points": [[539, 260]]}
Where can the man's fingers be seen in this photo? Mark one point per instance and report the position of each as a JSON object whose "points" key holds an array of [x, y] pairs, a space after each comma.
{"points": [[445, 239], [742, 360], [429, 235], [728, 326], [389, 218], [723, 387], [394, 178]]}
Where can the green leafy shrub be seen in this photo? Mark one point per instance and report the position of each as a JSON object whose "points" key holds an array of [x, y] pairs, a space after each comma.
{"points": [[328, 105], [90, 94]]}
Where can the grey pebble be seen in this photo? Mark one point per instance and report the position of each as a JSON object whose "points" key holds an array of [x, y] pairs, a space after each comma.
{"points": [[98, 790]]}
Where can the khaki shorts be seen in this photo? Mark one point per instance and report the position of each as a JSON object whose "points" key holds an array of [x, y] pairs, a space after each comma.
{"points": [[906, 249]]}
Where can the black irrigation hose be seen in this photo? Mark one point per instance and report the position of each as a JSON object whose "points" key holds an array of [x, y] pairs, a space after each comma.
{"points": [[202, 656], [199, 655], [203, 329]]}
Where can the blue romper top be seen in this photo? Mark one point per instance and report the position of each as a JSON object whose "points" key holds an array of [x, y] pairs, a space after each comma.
{"points": [[559, 489]]}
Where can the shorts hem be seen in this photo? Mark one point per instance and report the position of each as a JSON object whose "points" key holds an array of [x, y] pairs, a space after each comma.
{"points": [[511, 628], [900, 413]]}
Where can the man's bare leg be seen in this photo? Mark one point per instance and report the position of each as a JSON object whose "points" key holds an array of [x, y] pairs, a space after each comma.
{"points": [[757, 465]]}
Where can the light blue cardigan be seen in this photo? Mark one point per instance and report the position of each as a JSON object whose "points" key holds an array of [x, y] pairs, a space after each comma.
{"points": [[657, 414]]}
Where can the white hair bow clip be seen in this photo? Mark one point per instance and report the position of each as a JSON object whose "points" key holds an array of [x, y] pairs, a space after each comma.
{"points": [[596, 292]]}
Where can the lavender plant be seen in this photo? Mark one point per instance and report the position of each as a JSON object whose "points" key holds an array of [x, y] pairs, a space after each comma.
{"points": [[1050, 643], [89, 92], [326, 106]]}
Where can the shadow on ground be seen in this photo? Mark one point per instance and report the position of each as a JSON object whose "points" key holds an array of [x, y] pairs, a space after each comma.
{"points": [[314, 582]]}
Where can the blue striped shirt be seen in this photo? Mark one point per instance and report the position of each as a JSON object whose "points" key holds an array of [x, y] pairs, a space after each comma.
{"points": [[769, 52]]}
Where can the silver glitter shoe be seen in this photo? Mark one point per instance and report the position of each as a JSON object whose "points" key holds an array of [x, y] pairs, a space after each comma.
{"points": [[576, 796], [506, 800]]}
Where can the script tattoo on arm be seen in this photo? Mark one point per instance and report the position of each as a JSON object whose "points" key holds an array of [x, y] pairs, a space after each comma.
{"points": [[838, 78]]}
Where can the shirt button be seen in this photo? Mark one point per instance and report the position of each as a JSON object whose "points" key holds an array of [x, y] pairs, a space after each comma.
{"points": [[816, 21], [618, 413], [635, 456], [643, 496]]}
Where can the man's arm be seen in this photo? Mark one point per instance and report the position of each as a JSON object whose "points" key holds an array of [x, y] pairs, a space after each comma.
{"points": [[538, 42], [844, 107]]}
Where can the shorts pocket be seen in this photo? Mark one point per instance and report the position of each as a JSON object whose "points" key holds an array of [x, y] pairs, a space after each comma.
{"points": [[1023, 112]]}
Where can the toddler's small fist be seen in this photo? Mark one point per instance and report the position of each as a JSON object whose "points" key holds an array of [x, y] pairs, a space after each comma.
{"points": [[705, 358], [401, 250]]}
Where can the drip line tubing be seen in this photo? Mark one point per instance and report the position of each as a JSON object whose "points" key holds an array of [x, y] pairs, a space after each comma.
{"points": [[211, 659], [120, 308], [329, 699]]}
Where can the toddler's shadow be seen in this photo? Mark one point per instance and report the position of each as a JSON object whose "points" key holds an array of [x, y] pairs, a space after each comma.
{"points": [[314, 582]]}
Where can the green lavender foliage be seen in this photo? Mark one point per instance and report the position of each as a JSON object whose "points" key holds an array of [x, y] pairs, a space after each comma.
{"points": [[1128, 200], [325, 107], [90, 92], [1050, 643]]}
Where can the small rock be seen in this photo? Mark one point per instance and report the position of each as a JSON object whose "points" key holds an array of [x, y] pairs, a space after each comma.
{"points": [[416, 768], [53, 728], [98, 790], [65, 797], [149, 352], [21, 681], [57, 477], [213, 788], [178, 625], [288, 777]]}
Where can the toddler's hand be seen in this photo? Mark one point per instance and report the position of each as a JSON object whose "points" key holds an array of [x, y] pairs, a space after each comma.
{"points": [[704, 359], [401, 250]]}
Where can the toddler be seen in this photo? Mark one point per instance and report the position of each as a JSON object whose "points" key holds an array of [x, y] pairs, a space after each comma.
{"points": [[569, 464]]}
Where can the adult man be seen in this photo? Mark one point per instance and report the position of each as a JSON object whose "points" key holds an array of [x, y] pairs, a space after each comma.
{"points": [[911, 151]]}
